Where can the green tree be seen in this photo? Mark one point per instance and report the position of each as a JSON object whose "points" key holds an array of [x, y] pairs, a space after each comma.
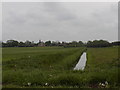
{"points": [[21, 44], [28, 43], [98, 43], [48, 43], [12, 43], [80, 43]]}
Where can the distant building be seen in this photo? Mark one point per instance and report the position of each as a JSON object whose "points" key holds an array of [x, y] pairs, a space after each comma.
{"points": [[41, 44]]}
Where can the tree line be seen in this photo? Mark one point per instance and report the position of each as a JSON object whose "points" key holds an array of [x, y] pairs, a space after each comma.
{"points": [[95, 43]]}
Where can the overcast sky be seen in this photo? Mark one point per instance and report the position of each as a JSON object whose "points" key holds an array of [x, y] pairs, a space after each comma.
{"points": [[60, 21]]}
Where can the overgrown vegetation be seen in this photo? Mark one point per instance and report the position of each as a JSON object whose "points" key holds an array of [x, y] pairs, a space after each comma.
{"points": [[53, 67], [40, 66], [103, 65]]}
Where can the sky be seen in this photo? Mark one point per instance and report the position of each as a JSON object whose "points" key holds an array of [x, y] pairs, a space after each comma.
{"points": [[60, 21]]}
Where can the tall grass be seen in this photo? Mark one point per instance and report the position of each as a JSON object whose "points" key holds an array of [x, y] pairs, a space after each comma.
{"points": [[38, 66], [53, 67], [103, 65]]}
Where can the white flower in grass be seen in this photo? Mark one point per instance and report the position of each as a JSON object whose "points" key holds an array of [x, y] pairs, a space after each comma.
{"points": [[29, 83], [46, 84], [103, 84], [106, 82], [29, 56], [100, 84], [50, 75]]}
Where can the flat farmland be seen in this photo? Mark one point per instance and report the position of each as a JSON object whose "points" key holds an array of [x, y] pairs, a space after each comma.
{"points": [[38, 66], [52, 67], [103, 65]]}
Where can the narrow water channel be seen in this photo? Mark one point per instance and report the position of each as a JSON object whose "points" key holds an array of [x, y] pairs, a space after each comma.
{"points": [[81, 63]]}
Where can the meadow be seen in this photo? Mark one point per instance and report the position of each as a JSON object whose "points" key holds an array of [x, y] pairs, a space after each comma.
{"points": [[39, 66], [52, 67], [103, 65]]}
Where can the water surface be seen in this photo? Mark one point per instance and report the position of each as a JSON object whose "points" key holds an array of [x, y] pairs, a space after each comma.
{"points": [[81, 63]]}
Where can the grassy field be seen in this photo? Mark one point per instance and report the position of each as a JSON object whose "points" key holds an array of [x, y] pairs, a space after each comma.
{"points": [[38, 66], [53, 67], [103, 65]]}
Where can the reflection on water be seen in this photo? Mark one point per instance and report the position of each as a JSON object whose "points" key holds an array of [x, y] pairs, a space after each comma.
{"points": [[81, 63]]}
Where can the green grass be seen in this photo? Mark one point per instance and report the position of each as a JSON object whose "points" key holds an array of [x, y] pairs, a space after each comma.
{"points": [[38, 65], [53, 67], [103, 65]]}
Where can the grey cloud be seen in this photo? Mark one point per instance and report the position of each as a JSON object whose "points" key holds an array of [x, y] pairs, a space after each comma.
{"points": [[57, 10], [60, 21]]}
